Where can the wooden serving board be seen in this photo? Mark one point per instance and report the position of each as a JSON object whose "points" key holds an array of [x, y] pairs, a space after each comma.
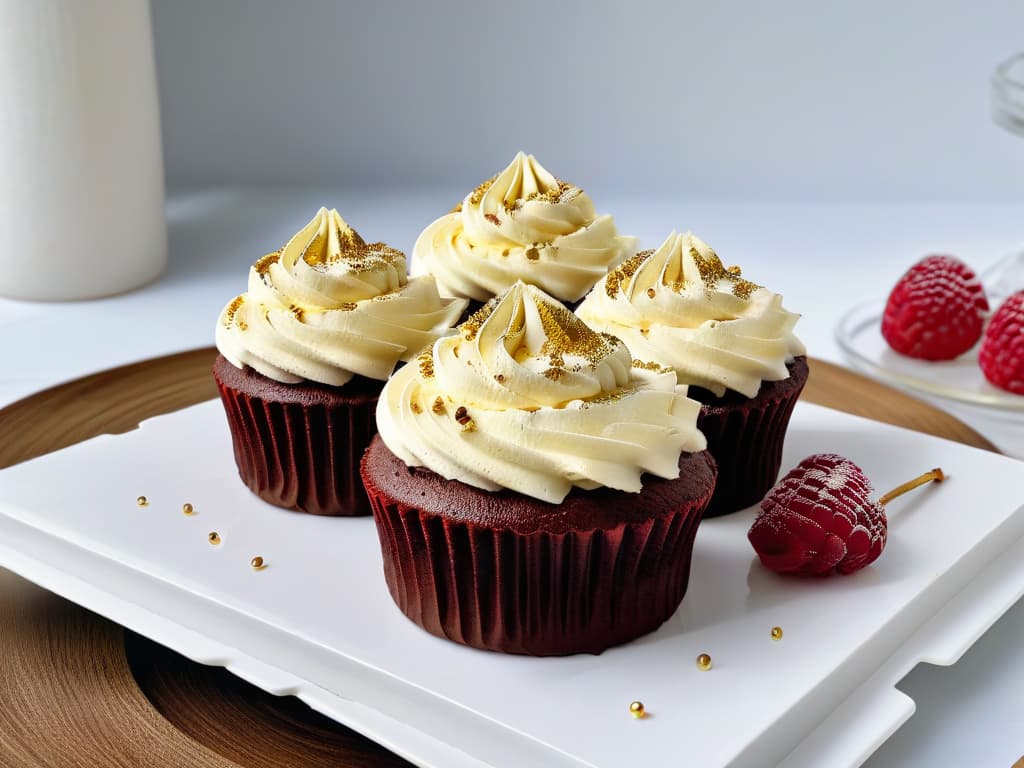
{"points": [[78, 690]]}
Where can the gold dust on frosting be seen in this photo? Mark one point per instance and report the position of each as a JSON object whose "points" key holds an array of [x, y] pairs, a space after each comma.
{"points": [[712, 272], [623, 273], [568, 335], [532, 253], [478, 194]]}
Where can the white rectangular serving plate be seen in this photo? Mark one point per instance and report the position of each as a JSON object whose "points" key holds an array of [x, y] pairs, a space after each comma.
{"points": [[318, 622]]}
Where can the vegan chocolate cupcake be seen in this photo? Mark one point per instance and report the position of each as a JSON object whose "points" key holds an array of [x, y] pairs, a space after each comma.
{"points": [[523, 224], [303, 357], [535, 489], [730, 340]]}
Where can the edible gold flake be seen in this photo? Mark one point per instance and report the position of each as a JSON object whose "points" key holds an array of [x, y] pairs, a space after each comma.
{"points": [[438, 406], [425, 359], [650, 365], [712, 272], [416, 408], [232, 309], [532, 254], [262, 265], [493, 219], [651, 293], [505, 252], [347, 306], [298, 312], [734, 269]]}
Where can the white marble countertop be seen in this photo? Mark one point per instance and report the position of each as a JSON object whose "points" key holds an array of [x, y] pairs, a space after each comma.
{"points": [[822, 258]]}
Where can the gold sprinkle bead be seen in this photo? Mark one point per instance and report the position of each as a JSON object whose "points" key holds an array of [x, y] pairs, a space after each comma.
{"points": [[651, 293], [257, 563], [704, 662], [776, 633], [636, 709], [187, 509], [142, 501], [213, 537]]}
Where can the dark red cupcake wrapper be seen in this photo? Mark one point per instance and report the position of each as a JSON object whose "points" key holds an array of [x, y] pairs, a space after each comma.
{"points": [[746, 438], [539, 593], [301, 455]]}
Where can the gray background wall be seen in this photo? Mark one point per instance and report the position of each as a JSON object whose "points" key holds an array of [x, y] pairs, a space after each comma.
{"points": [[782, 100]]}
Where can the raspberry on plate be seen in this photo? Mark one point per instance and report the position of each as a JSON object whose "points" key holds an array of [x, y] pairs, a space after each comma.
{"points": [[936, 311], [1002, 352], [820, 518]]}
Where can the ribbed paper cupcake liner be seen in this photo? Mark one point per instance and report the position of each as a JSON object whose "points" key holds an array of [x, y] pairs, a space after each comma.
{"points": [[746, 440], [541, 593], [302, 456]]}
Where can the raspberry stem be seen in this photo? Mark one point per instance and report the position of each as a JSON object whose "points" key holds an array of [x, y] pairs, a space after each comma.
{"points": [[933, 474]]}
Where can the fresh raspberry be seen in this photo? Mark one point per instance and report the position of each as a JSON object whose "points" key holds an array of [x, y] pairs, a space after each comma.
{"points": [[936, 311], [820, 517], [1002, 352]]}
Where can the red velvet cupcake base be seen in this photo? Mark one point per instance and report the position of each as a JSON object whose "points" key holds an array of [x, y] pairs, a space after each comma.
{"points": [[746, 437], [505, 572], [298, 446]]}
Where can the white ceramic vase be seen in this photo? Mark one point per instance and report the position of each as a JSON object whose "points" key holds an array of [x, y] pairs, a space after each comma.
{"points": [[81, 168]]}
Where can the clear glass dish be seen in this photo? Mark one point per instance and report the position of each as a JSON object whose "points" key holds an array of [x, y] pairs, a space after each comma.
{"points": [[859, 335], [1008, 94]]}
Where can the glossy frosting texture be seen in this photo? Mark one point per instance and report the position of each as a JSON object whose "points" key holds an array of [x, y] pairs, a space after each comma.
{"points": [[678, 305], [328, 306], [524, 224], [527, 397]]}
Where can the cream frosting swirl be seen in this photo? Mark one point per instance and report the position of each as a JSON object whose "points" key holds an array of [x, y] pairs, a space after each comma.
{"points": [[679, 306], [328, 306], [527, 397], [524, 224]]}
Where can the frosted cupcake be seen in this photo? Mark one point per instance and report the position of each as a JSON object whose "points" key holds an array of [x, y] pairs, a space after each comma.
{"points": [[303, 357], [730, 340], [535, 489], [523, 224]]}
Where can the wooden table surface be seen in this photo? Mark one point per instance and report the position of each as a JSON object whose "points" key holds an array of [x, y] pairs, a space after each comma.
{"points": [[78, 690]]}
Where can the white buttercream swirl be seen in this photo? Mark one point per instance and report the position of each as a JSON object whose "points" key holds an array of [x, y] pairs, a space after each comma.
{"points": [[527, 397], [679, 306], [524, 224], [328, 306]]}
